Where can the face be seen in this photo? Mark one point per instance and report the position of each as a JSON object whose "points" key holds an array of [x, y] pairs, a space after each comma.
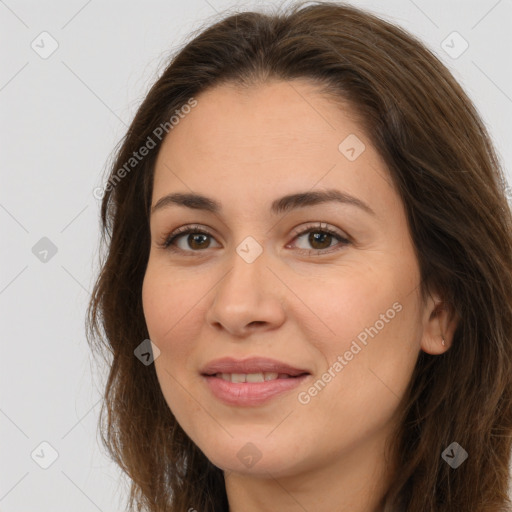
{"points": [[323, 295]]}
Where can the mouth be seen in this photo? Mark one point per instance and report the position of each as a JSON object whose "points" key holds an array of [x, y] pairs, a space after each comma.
{"points": [[253, 366], [254, 377], [251, 382]]}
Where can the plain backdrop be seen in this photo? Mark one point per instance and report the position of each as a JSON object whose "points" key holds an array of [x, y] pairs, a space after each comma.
{"points": [[62, 113]]}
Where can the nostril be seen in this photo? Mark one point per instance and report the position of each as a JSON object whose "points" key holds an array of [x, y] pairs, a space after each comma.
{"points": [[256, 322]]}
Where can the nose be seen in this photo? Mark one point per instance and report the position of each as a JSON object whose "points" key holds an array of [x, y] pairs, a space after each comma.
{"points": [[248, 298]]}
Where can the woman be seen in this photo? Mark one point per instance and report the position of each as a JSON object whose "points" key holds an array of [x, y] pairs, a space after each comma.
{"points": [[307, 294]]}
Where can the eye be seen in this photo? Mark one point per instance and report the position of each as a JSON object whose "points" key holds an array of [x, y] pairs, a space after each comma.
{"points": [[320, 237], [196, 239]]}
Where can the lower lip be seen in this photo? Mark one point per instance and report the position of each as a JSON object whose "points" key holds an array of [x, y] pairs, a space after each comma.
{"points": [[251, 393]]}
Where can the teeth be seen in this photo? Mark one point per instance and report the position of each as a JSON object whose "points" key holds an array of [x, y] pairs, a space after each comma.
{"points": [[251, 377], [254, 377]]}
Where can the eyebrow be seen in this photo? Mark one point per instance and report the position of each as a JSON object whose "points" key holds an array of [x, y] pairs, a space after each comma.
{"points": [[281, 205]]}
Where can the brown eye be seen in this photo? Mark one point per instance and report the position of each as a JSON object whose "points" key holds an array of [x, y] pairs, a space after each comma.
{"points": [[320, 239], [195, 240], [323, 240]]}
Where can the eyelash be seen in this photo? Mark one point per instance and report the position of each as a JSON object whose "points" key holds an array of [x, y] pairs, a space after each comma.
{"points": [[169, 241]]}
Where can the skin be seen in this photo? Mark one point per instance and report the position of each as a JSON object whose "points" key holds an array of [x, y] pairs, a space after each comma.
{"points": [[245, 148]]}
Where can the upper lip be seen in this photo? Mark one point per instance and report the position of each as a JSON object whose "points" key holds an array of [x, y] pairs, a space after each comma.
{"points": [[250, 365]]}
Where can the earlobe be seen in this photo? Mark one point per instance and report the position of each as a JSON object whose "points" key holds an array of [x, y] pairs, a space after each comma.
{"points": [[439, 328]]}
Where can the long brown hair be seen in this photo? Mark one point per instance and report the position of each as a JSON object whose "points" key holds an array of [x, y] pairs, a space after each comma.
{"points": [[450, 180]]}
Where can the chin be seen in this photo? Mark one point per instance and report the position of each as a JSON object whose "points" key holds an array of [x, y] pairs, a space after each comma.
{"points": [[254, 455]]}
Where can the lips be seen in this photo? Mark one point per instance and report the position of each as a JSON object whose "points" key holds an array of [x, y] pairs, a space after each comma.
{"points": [[251, 382], [251, 366]]}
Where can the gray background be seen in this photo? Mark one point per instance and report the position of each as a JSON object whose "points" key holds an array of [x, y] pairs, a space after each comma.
{"points": [[61, 117]]}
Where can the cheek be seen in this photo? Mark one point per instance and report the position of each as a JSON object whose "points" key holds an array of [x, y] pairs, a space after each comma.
{"points": [[367, 332], [172, 306], [346, 302], [166, 303], [356, 394]]}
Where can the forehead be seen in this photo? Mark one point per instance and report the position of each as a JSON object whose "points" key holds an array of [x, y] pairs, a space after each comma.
{"points": [[277, 134], [273, 116]]}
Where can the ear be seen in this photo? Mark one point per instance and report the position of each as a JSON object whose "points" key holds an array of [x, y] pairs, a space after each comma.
{"points": [[439, 321]]}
